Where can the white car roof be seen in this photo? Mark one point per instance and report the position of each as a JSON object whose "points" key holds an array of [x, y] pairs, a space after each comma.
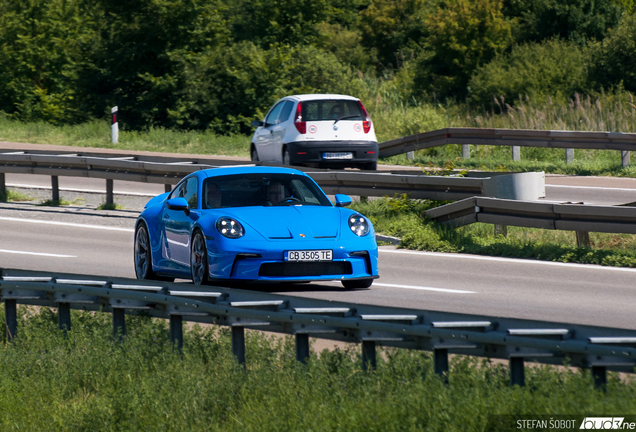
{"points": [[308, 97]]}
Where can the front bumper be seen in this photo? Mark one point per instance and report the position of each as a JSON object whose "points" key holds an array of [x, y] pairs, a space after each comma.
{"points": [[311, 152], [265, 262]]}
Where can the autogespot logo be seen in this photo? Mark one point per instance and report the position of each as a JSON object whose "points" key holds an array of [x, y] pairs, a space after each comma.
{"points": [[606, 423]]}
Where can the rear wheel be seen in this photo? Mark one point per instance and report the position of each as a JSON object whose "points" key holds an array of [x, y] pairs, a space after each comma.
{"points": [[254, 154], [357, 283], [143, 256], [286, 158], [370, 166], [199, 260]]}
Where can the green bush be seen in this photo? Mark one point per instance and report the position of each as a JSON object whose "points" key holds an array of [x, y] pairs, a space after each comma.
{"points": [[551, 68], [612, 61]]}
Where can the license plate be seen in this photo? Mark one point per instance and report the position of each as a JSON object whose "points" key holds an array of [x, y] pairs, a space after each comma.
{"points": [[341, 155], [309, 255]]}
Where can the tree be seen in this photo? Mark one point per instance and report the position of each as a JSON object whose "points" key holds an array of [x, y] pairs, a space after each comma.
{"points": [[579, 21], [463, 35]]}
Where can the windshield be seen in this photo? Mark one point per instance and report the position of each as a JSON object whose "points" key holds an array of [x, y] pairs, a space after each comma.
{"points": [[319, 110], [264, 189]]}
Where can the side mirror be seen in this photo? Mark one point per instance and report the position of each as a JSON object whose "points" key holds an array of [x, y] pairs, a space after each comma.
{"points": [[179, 204], [256, 123], [343, 200]]}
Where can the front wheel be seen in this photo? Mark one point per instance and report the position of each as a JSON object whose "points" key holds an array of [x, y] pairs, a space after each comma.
{"points": [[357, 283], [254, 155], [199, 260]]}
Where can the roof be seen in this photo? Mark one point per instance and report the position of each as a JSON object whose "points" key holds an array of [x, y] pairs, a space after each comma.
{"points": [[307, 97], [249, 169]]}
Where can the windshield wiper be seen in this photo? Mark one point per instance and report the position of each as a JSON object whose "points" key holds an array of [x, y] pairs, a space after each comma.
{"points": [[346, 117]]}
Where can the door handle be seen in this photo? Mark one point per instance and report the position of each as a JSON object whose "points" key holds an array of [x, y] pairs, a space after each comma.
{"points": [[166, 216]]}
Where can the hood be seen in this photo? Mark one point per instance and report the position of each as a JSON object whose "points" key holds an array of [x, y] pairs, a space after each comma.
{"points": [[287, 222]]}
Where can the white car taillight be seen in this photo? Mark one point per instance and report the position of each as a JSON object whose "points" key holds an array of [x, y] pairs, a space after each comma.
{"points": [[366, 124], [301, 126]]}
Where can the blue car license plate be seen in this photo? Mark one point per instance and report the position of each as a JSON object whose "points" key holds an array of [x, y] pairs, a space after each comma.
{"points": [[337, 155], [309, 255]]}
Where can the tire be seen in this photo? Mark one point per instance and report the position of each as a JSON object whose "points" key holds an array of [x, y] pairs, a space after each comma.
{"points": [[199, 268], [357, 283], [143, 256], [370, 166], [254, 154], [286, 158]]}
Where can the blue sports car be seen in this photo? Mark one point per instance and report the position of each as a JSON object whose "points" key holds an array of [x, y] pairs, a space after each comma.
{"points": [[249, 224]]}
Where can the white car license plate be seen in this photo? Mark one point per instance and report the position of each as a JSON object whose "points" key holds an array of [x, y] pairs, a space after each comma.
{"points": [[341, 155], [309, 255]]}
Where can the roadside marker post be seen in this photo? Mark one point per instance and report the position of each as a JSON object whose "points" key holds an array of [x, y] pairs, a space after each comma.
{"points": [[115, 127]]}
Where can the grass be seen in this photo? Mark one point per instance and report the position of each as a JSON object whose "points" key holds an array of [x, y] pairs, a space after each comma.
{"points": [[97, 134], [61, 202], [88, 382], [401, 217], [113, 206], [12, 195]]}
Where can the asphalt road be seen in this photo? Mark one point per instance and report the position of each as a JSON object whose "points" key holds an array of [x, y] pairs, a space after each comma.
{"points": [[100, 243]]}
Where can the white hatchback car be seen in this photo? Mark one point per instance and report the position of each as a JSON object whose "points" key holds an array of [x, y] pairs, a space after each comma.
{"points": [[319, 130]]}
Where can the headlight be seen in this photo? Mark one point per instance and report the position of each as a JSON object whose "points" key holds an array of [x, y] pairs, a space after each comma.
{"points": [[229, 227], [359, 225]]}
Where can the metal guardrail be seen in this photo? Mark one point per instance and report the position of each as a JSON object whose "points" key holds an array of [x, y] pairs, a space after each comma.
{"points": [[169, 170], [511, 137], [516, 340], [553, 216]]}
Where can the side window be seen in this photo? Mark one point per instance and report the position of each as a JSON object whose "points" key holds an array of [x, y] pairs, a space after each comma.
{"points": [[190, 192], [286, 111], [273, 114]]}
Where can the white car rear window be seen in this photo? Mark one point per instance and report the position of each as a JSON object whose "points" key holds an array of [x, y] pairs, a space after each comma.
{"points": [[320, 110]]}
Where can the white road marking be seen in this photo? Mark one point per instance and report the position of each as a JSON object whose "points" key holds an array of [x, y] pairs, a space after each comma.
{"points": [[593, 187], [446, 290], [36, 253], [26, 186], [74, 225], [509, 260]]}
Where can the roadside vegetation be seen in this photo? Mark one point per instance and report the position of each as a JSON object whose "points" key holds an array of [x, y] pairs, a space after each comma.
{"points": [[197, 73], [402, 218], [88, 382]]}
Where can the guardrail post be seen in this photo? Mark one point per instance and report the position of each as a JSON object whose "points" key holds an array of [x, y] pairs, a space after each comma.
{"points": [[440, 358], [516, 153], [55, 188], [501, 230], [583, 239], [569, 156], [11, 318], [176, 331], [109, 192], [3, 188], [119, 323], [465, 151], [517, 373], [302, 347], [368, 355], [600, 377], [64, 317], [167, 188], [238, 343], [410, 155], [625, 158]]}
